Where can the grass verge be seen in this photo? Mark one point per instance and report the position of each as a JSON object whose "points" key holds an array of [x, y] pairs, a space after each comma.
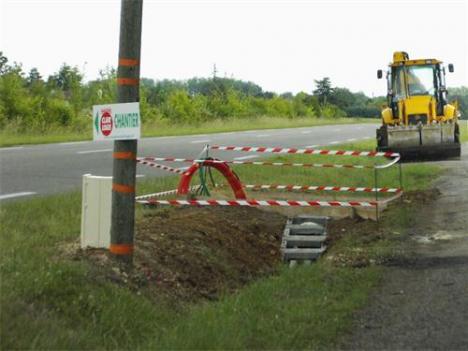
{"points": [[414, 176], [164, 128], [49, 301]]}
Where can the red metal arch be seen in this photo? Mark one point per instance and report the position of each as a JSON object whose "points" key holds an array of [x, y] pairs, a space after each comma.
{"points": [[223, 168]]}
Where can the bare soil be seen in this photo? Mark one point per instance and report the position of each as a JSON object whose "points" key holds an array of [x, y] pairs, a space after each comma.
{"points": [[193, 253], [187, 254], [422, 303]]}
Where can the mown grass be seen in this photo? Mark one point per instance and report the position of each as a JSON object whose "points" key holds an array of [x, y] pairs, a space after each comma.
{"points": [[414, 176], [304, 308], [10, 137], [49, 301], [464, 131]]}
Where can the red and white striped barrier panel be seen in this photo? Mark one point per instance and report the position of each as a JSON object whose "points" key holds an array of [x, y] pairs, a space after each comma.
{"points": [[159, 166], [257, 163], [319, 188], [283, 203], [280, 150]]}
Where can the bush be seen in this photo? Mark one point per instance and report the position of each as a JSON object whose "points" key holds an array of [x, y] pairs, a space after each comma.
{"points": [[363, 111], [303, 106], [279, 107], [3, 118], [331, 111], [58, 112]]}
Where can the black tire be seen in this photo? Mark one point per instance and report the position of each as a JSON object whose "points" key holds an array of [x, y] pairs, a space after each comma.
{"points": [[457, 133], [382, 139]]}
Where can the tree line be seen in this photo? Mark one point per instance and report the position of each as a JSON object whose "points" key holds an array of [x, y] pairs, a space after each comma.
{"points": [[30, 101]]}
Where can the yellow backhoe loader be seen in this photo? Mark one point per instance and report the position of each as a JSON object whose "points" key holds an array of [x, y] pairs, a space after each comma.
{"points": [[418, 120]]}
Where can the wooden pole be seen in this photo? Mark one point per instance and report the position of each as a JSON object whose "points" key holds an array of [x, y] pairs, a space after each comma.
{"points": [[125, 151]]}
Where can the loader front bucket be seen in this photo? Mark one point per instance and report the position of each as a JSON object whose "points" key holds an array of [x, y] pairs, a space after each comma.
{"points": [[423, 142]]}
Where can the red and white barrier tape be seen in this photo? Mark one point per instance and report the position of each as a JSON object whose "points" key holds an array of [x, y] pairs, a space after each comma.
{"points": [[163, 193], [257, 163], [320, 188], [304, 151], [285, 203], [257, 187], [157, 165]]}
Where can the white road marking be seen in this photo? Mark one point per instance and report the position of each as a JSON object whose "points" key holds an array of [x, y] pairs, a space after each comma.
{"points": [[311, 146], [334, 142], [263, 135], [161, 137], [200, 141], [306, 132], [140, 175], [245, 157], [352, 139], [11, 148], [73, 143], [93, 151], [12, 195], [369, 137]]}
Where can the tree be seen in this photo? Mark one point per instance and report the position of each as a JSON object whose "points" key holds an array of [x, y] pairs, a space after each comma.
{"points": [[461, 95], [323, 89], [69, 80], [287, 95], [33, 76], [3, 63], [342, 98]]}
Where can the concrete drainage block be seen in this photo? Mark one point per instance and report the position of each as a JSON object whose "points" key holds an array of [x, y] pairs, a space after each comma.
{"points": [[304, 239]]}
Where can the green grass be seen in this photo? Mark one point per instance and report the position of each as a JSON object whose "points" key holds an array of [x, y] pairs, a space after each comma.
{"points": [[303, 308], [50, 301], [414, 176], [464, 131], [10, 137]]}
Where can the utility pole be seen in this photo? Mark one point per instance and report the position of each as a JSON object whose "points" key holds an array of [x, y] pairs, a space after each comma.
{"points": [[125, 151]]}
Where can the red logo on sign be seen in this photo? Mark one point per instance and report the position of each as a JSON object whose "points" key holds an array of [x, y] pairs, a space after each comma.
{"points": [[106, 122]]}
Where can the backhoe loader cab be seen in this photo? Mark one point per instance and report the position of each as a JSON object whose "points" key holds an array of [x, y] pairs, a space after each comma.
{"points": [[418, 120]]}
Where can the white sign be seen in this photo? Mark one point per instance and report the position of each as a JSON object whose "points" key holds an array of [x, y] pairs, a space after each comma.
{"points": [[117, 121]]}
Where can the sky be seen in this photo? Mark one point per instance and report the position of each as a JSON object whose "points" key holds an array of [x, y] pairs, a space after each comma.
{"points": [[280, 45]]}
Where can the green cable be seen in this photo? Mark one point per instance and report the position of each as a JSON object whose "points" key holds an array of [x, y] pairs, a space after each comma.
{"points": [[203, 190]]}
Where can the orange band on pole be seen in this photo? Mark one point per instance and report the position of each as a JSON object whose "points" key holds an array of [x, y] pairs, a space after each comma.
{"points": [[120, 188], [128, 62], [124, 155], [121, 249], [128, 81]]}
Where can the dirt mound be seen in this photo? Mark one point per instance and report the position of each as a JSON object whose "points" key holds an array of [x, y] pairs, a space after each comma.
{"points": [[198, 253], [193, 253]]}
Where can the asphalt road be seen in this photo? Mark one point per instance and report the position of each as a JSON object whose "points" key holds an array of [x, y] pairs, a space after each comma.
{"points": [[52, 168]]}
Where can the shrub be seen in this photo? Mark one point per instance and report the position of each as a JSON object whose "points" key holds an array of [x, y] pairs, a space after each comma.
{"points": [[331, 111], [58, 112]]}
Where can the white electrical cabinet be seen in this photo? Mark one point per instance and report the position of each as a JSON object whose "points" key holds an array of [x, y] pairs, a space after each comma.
{"points": [[96, 211]]}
